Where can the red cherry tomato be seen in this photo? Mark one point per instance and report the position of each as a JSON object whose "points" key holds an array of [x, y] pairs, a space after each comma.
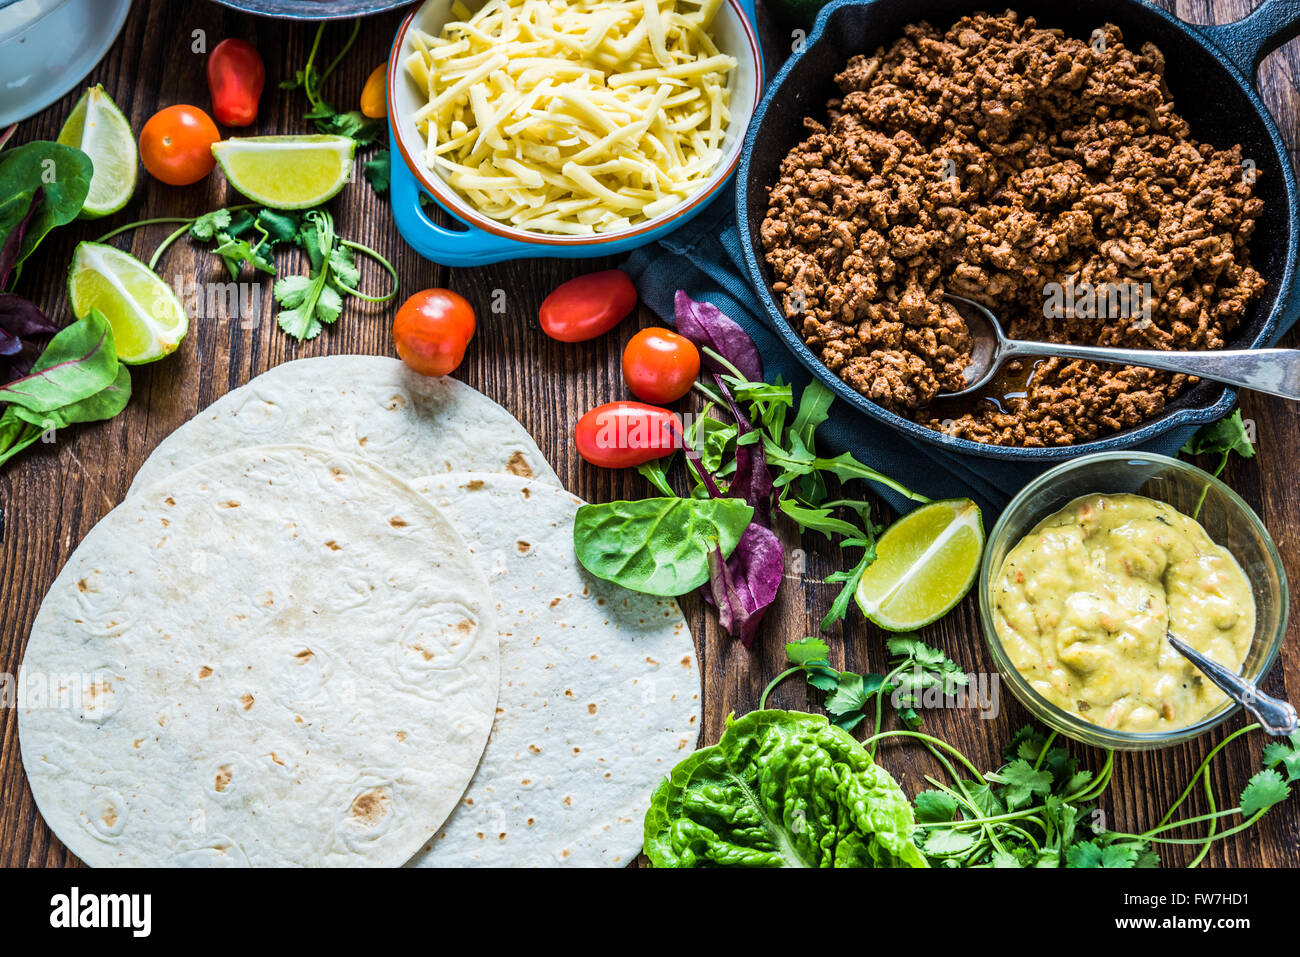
{"points": [[236, 76], [432, 330], [588, 306], [176, 145], [620, 435], [660, 365]]}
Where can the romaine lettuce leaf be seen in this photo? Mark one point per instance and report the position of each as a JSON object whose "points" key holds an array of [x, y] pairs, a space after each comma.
{"points": [[781, 789]]}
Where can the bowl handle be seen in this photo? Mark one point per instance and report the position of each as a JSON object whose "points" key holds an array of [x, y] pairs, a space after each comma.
{"points": [[447, 247], [1247, 41]]}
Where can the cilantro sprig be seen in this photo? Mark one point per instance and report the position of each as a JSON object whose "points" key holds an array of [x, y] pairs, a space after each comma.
{"points": [[1037, 808], [1222, 438], [914, 668], [311, 80], [249, 235]]}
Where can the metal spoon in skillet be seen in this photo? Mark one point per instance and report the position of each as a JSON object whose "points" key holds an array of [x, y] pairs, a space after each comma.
{"points": [[1275, 371], [1276, 717]]}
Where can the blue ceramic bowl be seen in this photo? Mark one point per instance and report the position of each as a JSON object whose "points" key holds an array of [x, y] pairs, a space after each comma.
{"points": [[479, 239], [1211, 74]]}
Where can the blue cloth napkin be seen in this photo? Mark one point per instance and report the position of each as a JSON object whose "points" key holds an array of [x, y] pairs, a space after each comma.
{"points": [[704, 258]]}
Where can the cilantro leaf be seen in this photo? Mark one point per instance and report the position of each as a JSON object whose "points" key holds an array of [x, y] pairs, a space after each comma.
{"points": [[1264, 790], [1021, 782], [1223, 437], [944, 841], [378, 171], [1285, 753], [207, 226], [849, 695], [934, 807], [807, 650]]}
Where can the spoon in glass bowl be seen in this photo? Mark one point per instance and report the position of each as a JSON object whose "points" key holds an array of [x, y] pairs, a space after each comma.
{"points": [[1275, 371], [1276, 717]]}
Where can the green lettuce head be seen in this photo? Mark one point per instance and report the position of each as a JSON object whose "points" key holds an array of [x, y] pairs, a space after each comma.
{"points": [[781, 789]]}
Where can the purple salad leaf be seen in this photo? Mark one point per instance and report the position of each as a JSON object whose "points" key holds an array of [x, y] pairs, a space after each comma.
{"points": [[21, 317], [14, 241], [709, 328], [752, 481], [744, 587], [16, 366]]}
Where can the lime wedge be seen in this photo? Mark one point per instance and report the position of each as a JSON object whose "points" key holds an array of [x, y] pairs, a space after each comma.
{"points": [[97, 127], [287, 172], [148, 320], [925, 562]]}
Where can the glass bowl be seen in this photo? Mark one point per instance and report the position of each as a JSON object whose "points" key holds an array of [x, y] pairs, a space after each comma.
{"points": [[1229, 521]]}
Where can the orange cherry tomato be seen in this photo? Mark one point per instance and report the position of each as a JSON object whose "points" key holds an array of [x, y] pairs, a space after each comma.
{"points": [[176, 145], [374, 95], [236, 76], [588, 306], [620, 435], [432, 330], [660, 365]]}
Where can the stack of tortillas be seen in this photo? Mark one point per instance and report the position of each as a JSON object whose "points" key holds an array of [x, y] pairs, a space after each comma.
{"points": [[339, 620]]}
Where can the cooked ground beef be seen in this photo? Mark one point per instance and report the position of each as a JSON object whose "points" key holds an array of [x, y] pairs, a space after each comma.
{"points": [[990, 161]]}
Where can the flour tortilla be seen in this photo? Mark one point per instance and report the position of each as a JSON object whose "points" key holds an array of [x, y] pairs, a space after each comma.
{"points": [[291, 660], [371, 406], [600, 691]]}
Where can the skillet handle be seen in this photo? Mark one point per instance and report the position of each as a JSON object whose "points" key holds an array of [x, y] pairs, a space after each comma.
{"points": [[1247, 41]]}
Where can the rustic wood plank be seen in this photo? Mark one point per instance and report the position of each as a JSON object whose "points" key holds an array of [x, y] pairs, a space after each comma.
{"points": [[54, 494]]}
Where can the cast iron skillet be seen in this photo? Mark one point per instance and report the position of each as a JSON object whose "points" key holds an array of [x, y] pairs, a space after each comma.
{"points": [[1211, 74]]}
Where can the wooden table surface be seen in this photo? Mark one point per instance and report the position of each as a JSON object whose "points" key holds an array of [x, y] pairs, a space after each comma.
{"points": [[53, 494]]}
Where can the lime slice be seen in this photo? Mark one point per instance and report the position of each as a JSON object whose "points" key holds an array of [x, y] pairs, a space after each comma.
{"points": [[148, 320], [287, 172], [97, 127], [925, 562]]}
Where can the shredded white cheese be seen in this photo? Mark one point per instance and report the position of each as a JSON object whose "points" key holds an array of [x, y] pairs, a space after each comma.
{"points": [[574, 117]]}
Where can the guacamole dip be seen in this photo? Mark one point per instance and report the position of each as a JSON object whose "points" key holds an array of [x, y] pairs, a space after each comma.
{"points": [[1083, 602]]}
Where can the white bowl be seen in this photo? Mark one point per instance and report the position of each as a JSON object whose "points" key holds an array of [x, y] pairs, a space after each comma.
{"points": [[733, 33], [48, 46]]}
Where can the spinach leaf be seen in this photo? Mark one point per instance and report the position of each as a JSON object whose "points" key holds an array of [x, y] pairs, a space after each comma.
{"points": [[78, 363], [63, 171], [780, 789], [104, 404], [15, 434], [659, 546]]}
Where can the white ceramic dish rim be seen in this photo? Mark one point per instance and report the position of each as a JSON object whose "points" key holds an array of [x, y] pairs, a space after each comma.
{"points": [[400, 87], [84, 64]]}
